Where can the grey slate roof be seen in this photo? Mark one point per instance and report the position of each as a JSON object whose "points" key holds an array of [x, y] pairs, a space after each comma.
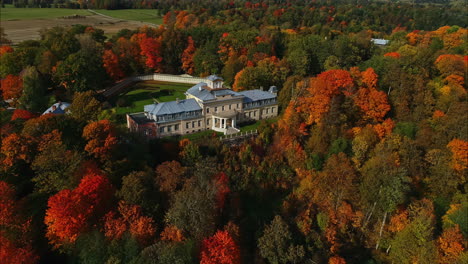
{"points": [[59, 108], [380, 41], [172, 107], [256, 95], [214, 78], [205, 95]]}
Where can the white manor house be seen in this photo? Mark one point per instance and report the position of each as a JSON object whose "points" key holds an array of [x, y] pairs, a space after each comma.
{"points": [[208, 105]]}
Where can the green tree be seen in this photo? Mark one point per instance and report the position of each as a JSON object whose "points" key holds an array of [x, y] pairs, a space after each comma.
{"points": [[34, 93], [415, 243], [276, 244], [81, 71], [85, 107]]}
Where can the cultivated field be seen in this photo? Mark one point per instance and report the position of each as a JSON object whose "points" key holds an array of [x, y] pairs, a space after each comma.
{"points": [[25, 23]]}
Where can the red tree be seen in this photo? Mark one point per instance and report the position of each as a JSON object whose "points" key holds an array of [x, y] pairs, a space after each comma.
{"points": [[131, 219], [111, 65], [71, 212], [187, 57], [12, 87], [220, 249], [22, 114], [5, 49], [151, 50], [15, 240]]}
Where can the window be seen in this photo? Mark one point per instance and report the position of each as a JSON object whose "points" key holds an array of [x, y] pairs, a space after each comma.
{"points": [[237, 105], [267, 110], [208, 122], [207, 110], [272, 110], [229, 107], [187, 125], [222, 108], [193, 124], [176, 127], [199, 123], [161, 129], [169, 128], [255, 113], [216, 109]]}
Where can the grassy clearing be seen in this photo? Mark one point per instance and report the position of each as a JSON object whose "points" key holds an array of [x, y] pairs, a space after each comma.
{"points": [[11, 13], [142, 15], [144, 93]]}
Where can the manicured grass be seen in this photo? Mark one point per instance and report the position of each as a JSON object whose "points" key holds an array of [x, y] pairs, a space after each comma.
{"points": [[11, 13], [250, 126], [144, 93], [142, 15]]}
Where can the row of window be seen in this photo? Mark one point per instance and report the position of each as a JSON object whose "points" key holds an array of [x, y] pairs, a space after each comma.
{"points": [[177, 116], [223, 108], [260, 103], [169, 129], [193, 123]]}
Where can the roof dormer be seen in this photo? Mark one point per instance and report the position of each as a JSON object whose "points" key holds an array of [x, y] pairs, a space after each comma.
{"points": [[214, 82]]}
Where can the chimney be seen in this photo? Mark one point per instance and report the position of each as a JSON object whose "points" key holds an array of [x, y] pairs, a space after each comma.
{"points": [[177, 100], [261, 88]]}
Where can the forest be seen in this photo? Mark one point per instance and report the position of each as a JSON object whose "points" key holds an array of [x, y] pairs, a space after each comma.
{"points": [[367, 162]]}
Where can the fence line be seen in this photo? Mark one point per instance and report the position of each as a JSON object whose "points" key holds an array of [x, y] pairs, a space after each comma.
{"points": [[125, 83], [240, 135]]}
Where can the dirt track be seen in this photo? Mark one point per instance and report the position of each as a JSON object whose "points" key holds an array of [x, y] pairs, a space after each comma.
{"points": [[19, 30]]}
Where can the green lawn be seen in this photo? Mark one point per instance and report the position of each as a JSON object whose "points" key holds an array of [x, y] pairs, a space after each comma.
{"points": [[12, 13], [144, 93], [142, 15]]}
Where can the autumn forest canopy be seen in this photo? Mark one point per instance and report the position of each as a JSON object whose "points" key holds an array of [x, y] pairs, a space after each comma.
{"points": [[367, 162]]}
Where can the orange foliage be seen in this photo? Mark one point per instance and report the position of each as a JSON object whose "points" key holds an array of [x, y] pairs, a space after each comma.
{"points": [[187, 57], [11, 86], [12, 254], [5, 49], [438, 114], [132, 220], [449, 64], [336, 260], [414, 37], [172, 233], [22, 114], [395, 55], [235, 86], [321, 90], [222, 188], [16, 148], [8, 204], [369, 78], [70, 212], [384, 128], [459, 149], [220, 249], [101, 139], [15, 242], [111, 65], [399, 221], [114, 226], [373, 103], [450, 245]]}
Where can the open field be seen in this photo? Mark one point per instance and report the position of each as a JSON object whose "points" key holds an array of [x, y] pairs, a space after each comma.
{"points": [[11, 13], [140, 15], [144, 93], [25, 23]]}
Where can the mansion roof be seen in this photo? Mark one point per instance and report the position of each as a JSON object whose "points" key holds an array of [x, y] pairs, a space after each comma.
{"points": [[173, 107], [256, 95], [203, 94]]}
